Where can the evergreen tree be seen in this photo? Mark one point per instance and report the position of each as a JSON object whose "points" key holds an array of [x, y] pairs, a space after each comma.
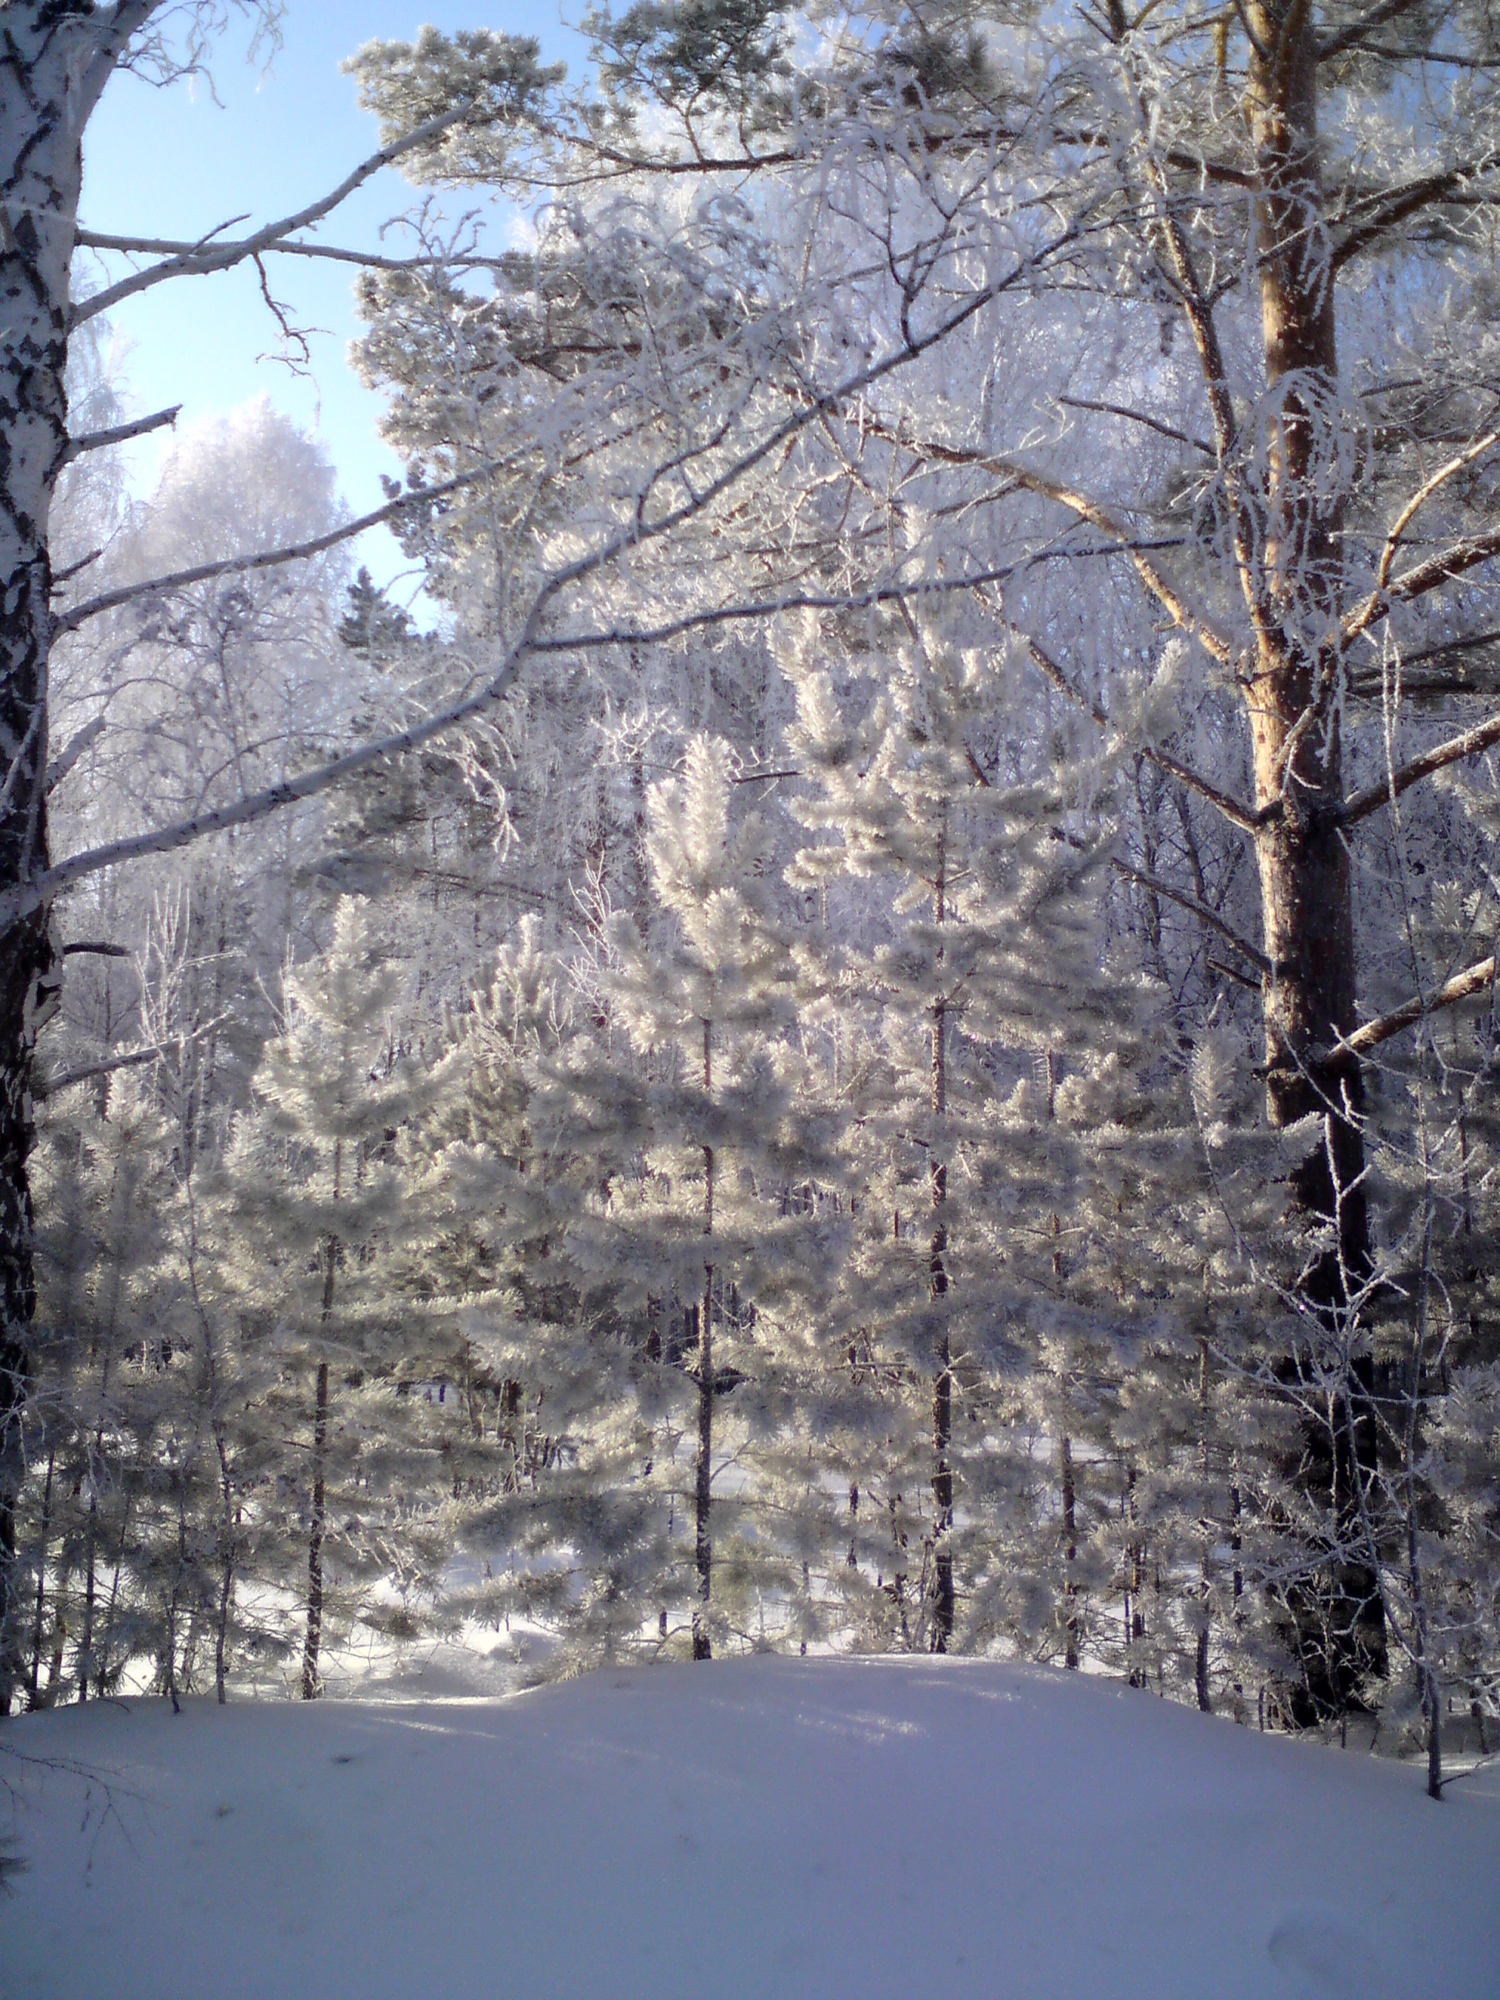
{"points": [[315, 1186]]}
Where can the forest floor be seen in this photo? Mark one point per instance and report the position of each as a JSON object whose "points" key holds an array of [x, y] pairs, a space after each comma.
{"points": [[842, 1829]]}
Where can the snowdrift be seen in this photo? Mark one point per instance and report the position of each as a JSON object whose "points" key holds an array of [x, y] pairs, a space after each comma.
{"points": [[769, 1828]]}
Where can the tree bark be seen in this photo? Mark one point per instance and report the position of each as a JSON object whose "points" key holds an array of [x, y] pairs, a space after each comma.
{"points": [[1290, 539], [58, 56], [1205, 1558], [703, 1547], [312, 1644], [703, 1544], [1070, 1546], [944, 1602], [312, 1685], [33, 1698]]}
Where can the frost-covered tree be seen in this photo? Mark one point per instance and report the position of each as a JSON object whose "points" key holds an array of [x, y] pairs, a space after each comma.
{"points": [[315, 1185], [702, 1222]]}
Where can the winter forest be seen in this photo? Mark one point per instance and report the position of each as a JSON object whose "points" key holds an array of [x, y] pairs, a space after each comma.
{"points": [[873, 1028]]}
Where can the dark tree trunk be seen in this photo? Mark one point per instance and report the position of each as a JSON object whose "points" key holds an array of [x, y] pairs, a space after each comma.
{"points": [[943, 1598], [1205, 1560], [86, 1637], [312, 1644], [227, 1556], [944, 1601], [703, 1546], [1291, 544], [1070, 1547]]}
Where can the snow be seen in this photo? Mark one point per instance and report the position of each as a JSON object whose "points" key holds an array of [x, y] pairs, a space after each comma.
{"points": [[765, 1827]]}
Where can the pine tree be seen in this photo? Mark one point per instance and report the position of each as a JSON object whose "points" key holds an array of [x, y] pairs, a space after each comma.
{"points": [[315, 1190]]}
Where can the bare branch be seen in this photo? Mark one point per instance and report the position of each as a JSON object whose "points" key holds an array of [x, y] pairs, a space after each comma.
{"points": [[1396, 205], [157, 246], [1454, 561], [110, 47], [126, 593], [1468, 643], [61, 576], [1347, 37], [40, 888], [1220, 173], [1201, 911], [754, 609], [71, 751], [224, 256], [1454, 751], [258, 805], [121, 434], [1213, 642], [132, 1061], [1463, 986], [1227, 971], [1242, 816], [95, 951], [1140, 417], [1420, 498]]}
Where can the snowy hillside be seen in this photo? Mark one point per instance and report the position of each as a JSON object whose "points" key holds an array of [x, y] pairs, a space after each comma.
{"points": [[768, 1828]]}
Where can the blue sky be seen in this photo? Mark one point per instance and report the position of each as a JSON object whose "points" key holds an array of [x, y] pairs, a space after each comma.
{"points": [[174, 163]]}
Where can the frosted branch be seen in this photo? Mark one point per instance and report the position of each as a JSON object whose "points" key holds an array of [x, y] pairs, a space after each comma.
{"points": [[1454, 751], [1462, 986]]}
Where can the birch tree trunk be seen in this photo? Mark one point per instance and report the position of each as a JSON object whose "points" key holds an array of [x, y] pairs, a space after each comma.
{"points": [[58, 56]]}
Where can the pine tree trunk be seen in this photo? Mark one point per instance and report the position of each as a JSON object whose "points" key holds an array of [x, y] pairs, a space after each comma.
{"points": [[943, 1597], [1070, 1549], [703, 1547], [226, 1577], [510, 1434], [1291, 561], [312, 1645], [1205, 1577], [57, 59], [34, 1683], [1135, 1574], [101, 1678], [86, 1637]]}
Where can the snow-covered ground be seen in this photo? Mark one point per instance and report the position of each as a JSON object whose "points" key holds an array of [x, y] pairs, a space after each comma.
{"points": [[769, 1828]]}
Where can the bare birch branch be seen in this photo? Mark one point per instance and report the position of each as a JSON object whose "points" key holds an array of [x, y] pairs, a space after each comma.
{"points": [[196, 262], [126, 593], [121, 434], [157, 246], [72, 750], [40, 888]]}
